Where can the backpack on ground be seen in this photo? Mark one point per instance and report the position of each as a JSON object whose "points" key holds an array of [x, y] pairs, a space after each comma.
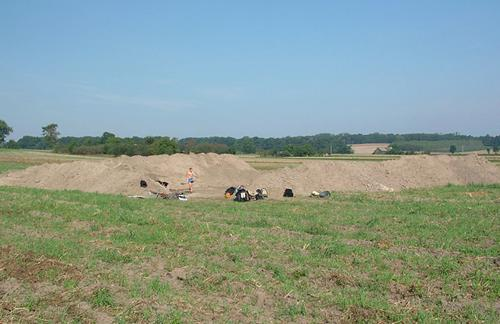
{"points": [[288, 193], [259, 194], [242, 195], [229, 192]]}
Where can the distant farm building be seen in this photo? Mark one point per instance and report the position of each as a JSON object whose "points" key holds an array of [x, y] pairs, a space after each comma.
{"points": [[380, 150]]}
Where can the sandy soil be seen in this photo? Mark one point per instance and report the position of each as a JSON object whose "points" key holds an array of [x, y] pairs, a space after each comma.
{"points": [[217, 172]]}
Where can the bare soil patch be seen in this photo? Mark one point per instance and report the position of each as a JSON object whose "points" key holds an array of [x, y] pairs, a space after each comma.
{"points": [[28, 267]]}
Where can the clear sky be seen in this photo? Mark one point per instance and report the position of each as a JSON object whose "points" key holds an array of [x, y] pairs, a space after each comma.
{"points": [[257, 68]]}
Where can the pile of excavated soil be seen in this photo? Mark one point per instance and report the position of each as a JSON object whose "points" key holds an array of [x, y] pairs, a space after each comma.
{"points": [[407, 172], [215, 172], [123, 174]]}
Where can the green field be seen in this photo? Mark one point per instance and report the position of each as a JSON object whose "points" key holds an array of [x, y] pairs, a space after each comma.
{"points": [[442, 146], [493, 158], [272, 163], [40, 156], [20, 159], [419, 255], [8, 166]]}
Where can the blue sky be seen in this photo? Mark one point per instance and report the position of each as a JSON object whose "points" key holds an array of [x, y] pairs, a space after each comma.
{"points": [[257, 68]]}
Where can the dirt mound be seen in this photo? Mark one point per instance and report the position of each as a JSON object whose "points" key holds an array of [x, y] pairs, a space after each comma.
{"points": [[407, 172], [217, 172], [123, 174]]}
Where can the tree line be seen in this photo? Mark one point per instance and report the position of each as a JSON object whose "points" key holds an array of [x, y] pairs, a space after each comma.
{"points": [[320, 144]]}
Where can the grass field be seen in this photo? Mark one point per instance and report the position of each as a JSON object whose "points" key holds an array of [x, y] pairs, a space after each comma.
{"points": [[272, 163], [419, 255], [33, 157], [443, 146], [493, 158], [20, 159]]}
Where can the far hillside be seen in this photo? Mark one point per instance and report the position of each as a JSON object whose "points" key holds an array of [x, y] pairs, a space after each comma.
{"points": [[290, 146]]}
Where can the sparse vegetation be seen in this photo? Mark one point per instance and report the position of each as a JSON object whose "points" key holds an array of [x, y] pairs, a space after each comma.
{"points": [[418, 255], [442, 146], [102, 298]]}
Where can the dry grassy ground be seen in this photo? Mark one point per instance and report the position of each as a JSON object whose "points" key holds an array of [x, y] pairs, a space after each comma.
{"points": [[33, 157], [368, 148], [273, 163], [420, 255]]}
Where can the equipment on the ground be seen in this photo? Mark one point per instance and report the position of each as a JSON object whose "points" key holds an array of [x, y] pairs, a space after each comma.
{"points": [[162, 183], [242, 194], [324, 194], [171, 195], [288, 193], [229, 192], [260, 194]]}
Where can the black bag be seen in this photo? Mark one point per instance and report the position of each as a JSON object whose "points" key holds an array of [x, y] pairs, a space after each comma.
{"points": [[242, 195], [324, 194], [288, 193], [163, 183]]}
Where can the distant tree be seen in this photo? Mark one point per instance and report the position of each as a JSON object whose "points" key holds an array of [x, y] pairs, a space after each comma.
{"points": [[11, 144], [488, 150], [342, 149], [71, 147], [213, 148], [394, 149], [163, 145], [453, 149], [487, 140], [106, 137], [32, 142], [149, 140], [246, 145], [189, 145], [5, 130], [50, 134], [495, 148], [299, 150]]}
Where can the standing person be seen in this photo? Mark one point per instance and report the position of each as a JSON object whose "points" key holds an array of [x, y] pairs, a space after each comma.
{"points": [[190, 179]]}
